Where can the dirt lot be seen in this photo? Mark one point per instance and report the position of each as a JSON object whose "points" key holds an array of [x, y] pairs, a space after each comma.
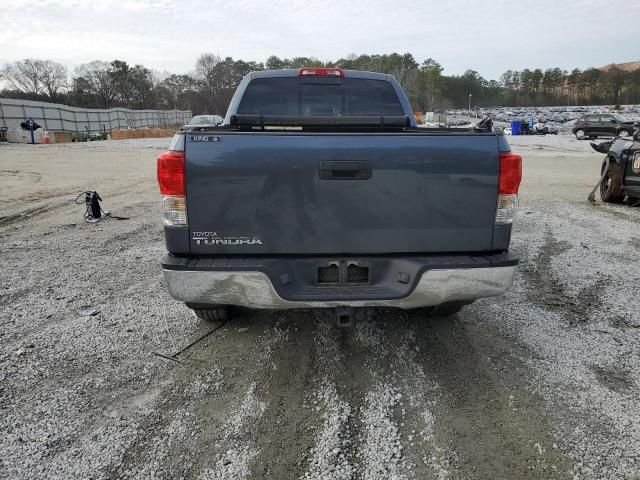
{"points": [[542, 383]]}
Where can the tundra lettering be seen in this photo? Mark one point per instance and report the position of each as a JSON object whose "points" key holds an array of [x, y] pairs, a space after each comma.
{"points": [[227, 240]]}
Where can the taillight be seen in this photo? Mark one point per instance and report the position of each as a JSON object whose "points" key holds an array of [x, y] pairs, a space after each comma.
{"points": [[510, 173], [508, 183], [171, 172], [320, 72], [171, 180]]}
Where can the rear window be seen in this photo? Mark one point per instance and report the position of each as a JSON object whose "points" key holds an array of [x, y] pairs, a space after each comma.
{"points": [[319, 97]]}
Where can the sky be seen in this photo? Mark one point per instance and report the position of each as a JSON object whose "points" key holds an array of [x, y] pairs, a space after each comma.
{"points": [[489, 36]]}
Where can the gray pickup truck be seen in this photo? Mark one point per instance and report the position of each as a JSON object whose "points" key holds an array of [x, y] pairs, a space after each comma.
{"points": [[319, 190]]}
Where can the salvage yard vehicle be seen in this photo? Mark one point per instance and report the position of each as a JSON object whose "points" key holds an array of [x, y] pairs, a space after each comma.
{"points": [[596, 125], [202, 122], [89, 136], [621, 171], [319, 190]]}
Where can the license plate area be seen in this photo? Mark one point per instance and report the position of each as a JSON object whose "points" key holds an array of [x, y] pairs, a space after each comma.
{"points": [[329, 275], [343, 273]]}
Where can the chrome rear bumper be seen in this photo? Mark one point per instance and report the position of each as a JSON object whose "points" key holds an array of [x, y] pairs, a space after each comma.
{"points": [[255, 290]]}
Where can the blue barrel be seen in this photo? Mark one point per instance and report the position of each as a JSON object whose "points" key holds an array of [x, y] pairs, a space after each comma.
{"points": [[515, 127]]}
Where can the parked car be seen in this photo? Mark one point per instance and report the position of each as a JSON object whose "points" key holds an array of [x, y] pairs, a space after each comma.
{"points": [[595, 125], [622, 178], [319, 190], [202, 122]]}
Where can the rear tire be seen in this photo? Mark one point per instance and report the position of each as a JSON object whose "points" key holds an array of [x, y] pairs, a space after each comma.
{"points": [[580, 134], [210, 313], [611, 188]]}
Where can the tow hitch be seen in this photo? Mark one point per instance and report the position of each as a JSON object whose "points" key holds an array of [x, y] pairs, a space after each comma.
{"points": [[343, 316]]}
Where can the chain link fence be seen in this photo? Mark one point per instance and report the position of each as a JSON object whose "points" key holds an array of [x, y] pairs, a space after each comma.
{"points": [[62, 118]]}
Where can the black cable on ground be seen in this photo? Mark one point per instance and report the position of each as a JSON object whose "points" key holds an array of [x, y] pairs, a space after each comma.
{"points": [[94, 212], [174, 357]]}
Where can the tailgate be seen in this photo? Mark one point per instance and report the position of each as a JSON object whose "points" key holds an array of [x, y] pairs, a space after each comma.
{"points": [[294, 193]]}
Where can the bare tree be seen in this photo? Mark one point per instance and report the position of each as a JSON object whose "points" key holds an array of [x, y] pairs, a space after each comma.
{"points": [[205, 68], [25, 75], [205, 72], [54, 78], [98, 76]]}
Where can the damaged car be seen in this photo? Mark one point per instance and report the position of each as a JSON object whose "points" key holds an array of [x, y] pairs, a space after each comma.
{"points": [[620, 171]]}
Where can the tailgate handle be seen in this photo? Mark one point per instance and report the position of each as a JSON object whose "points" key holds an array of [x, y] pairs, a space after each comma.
{"points": [[345, 170]]}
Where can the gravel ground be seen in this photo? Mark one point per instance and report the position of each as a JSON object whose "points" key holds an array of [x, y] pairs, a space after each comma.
{"points": [[541, 383]]}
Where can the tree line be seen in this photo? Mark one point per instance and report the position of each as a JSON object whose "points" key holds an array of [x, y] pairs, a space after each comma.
{"points": [[210, 86]]}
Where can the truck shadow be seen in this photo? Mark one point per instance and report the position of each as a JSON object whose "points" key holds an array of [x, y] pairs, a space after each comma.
{"points": [[470, 380], [487, 415]]}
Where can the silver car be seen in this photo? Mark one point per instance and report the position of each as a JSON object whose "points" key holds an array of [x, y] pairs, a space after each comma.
{"points": [[202, 122]]}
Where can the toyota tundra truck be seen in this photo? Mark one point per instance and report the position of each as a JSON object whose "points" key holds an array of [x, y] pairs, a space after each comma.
{"points": [[319, 190]]}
